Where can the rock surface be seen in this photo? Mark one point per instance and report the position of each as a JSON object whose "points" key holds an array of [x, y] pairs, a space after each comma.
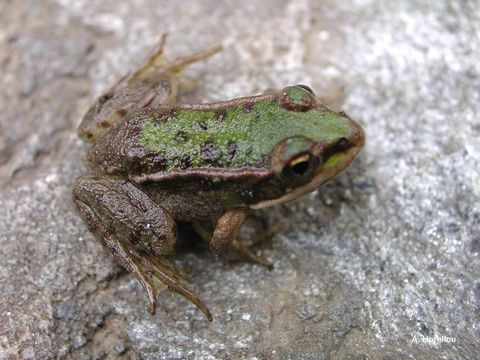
{"points": [[382, 263]]}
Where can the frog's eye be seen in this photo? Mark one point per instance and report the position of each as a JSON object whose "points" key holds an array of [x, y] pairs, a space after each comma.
{"points": [[293, 162], [300, 169], [297, 98]]}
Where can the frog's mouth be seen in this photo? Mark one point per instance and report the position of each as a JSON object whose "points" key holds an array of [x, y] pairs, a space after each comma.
{"points": [[333, 166]]}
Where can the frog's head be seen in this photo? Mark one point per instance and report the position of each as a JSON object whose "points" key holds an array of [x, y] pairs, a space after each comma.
{"points": [[318, 143]]}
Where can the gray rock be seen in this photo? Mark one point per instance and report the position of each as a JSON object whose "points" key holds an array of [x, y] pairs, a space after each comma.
{"points": [[382, 263]]}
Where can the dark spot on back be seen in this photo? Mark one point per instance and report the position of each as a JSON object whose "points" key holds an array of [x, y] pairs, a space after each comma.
{"points": [[231, 151], [185, 162], [220, 116], [181, 136], [247, 108], [210, 152], [146, 160], [265, 160]]}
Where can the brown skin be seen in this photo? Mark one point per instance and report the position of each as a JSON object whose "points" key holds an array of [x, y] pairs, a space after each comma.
{"points": [[132, 204]]}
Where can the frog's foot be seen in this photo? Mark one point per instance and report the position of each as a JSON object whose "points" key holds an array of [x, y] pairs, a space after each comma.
{"points": [[224, 240], [162, 271], [136, 232], [152, 270]]}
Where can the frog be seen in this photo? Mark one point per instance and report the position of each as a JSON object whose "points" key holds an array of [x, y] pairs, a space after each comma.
{"points": [[156, 164]]}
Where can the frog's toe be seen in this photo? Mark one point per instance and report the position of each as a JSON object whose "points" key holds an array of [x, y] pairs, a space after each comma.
{"points": [[165, 274], [243, 253], [163, 265], [179, 64], [150, 289]]}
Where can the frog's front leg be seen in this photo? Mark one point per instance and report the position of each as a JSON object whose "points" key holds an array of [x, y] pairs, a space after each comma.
{"points": [[135, 230], [224, 239]]}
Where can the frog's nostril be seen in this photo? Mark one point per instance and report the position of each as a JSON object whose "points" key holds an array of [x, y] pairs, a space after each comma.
{"points": [[342, 144]]}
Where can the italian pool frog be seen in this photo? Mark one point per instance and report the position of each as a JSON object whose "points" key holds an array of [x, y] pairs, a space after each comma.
{"points": [[156, 163]]}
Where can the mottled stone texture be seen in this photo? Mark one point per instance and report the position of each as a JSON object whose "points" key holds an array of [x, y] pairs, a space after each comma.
{"points": [[366, 268]]}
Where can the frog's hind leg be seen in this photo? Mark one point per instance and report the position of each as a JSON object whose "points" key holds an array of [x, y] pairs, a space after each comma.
{"points": [[156, 63], [179, 82], [158, 66], [136, 231]]}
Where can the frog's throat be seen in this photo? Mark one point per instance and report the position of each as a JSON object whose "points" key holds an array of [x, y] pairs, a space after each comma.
{"points": [[322, 176]]}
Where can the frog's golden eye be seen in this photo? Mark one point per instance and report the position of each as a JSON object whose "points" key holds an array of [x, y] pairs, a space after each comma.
{"points": [[293, 162], [300, 169]]}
